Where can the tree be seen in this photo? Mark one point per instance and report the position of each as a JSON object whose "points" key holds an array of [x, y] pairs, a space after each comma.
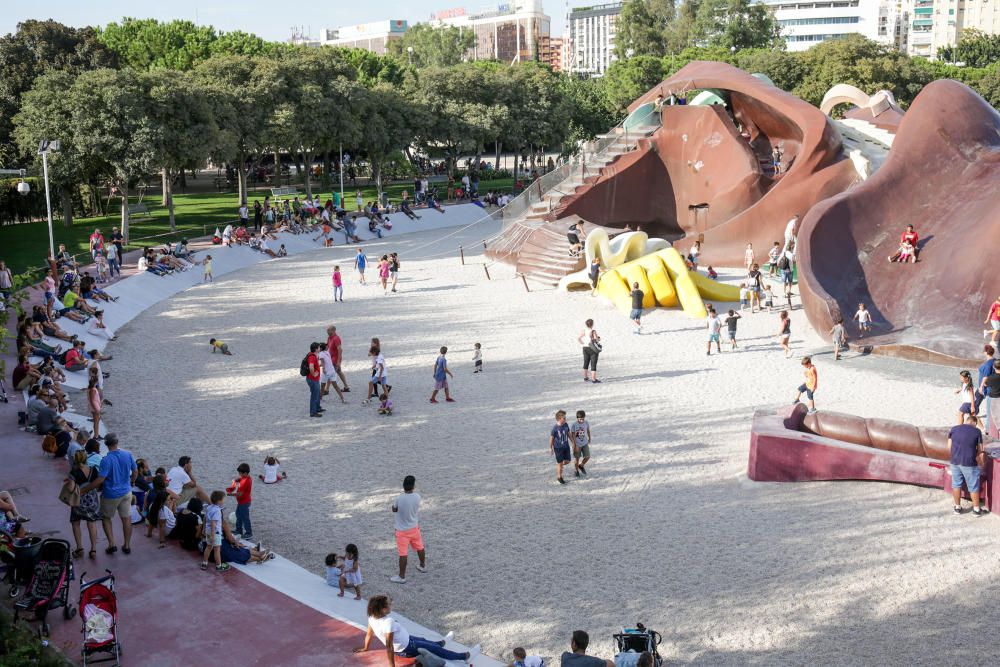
{"points": [[181, 110], [145, 44], [386, 128], [783, 68], [734, 25], [113, 127], [626, 80], [974, 49], [432, 47], [35, 48], [642, 26]]}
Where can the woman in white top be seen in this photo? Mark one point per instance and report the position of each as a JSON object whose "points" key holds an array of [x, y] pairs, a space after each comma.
{"points": [[590, 342], [967, 397], [397, 640]]}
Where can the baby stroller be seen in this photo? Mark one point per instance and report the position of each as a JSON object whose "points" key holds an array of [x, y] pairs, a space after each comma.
{"points": [[18, 554], [49, 585], [99, 611], [633, 641]]}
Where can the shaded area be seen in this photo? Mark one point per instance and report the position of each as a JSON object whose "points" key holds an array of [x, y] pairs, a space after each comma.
{"points": [[942, 176]]}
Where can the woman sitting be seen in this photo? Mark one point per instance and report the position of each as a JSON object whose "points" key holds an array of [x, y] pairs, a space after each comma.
{"points": [[90, 290], [144, 264], [37, 347], [48, 327], [189, 526]]}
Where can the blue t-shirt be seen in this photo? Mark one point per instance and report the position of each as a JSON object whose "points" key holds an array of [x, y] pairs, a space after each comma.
{"points": [[362, 261], [985, 370], [965, 441], [560, 435], [439, 368], [116, 469]]}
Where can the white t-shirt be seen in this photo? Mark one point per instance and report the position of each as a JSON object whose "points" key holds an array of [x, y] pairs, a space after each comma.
{"points": [[327, 361], [168, 516], [176, 479], [864, 316], [714, 324], [383, 626], [407, 510], [380, 361], [271, 473], [790, 229]]}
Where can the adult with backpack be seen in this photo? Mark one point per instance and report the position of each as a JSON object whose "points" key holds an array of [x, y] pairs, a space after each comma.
{"points": [[310, 370], [785, 262], [590, 342]]}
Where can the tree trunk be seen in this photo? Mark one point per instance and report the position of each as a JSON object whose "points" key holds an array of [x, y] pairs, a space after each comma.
{"points": [[66, 196], [496, 165], [277, 169], [168, 197], [327, 170], [125, 217], [184, 183], [307, 177], [164, 179]]}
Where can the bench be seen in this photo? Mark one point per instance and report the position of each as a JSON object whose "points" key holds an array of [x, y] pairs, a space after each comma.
{"points": [[133, 209], [291, 191]]}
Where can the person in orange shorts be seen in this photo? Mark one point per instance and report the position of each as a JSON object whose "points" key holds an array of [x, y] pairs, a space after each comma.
{"points": [[407, 509]]}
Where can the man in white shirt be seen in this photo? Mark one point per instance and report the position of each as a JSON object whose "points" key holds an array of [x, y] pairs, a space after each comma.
{"points": [[407, 510], [181, 486]]}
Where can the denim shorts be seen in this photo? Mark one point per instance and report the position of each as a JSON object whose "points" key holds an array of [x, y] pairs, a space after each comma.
{"points": [[562, 454], [807, 391], [635, 313], [713, 338], [968, 474]]}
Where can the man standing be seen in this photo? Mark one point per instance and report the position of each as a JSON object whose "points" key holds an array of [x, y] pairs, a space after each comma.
{"points": [[636, 313], [244, 214], [96, 243], [407, 510], [966, 444], [312, 367], [577, 655], [119, 241], [333, 345], [117, 473]]}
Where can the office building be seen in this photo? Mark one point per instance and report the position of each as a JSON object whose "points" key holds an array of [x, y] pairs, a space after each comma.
{"points": [[805, 24], [590, 38], [550, 52], [509, 32], [372, 37]]}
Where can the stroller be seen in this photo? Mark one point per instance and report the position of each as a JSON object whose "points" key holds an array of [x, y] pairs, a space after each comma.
{"points": [[18, 554], [49, 585], [634, 641], [99, 611]]}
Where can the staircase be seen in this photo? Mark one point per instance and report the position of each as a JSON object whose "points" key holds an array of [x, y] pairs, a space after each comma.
{"points": [[539, 247], [869, 131]]}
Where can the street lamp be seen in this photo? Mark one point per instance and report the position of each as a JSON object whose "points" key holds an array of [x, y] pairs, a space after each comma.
{"points": [[409, 54], [22, 186], [44, 146]]}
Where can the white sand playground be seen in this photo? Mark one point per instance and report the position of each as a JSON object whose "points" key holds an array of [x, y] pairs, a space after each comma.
{"points": [[667, 530]]}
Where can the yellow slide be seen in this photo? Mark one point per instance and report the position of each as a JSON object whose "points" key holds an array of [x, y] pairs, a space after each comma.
{"points": [[659, 280], [713, 290], [687, 291], [634, 273]]}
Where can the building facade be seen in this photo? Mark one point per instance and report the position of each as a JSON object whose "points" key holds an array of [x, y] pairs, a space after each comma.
{"points": [[939, 23], [807, 23], [373, 37], [590, 38], [509, 32], [550, 52]]}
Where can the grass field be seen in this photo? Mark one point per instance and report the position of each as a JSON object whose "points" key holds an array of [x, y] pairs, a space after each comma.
{"points": [[25, 246]]}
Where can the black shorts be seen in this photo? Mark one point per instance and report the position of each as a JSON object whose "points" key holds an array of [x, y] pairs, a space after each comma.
{"points": [[573, 239], [590, 359]]}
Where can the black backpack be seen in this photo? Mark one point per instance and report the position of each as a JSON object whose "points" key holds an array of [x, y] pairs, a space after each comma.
{"points": [[783, 262], [304, 367]]}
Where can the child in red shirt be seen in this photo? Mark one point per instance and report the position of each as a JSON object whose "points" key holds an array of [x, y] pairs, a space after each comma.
{"points": [[241, 488]]}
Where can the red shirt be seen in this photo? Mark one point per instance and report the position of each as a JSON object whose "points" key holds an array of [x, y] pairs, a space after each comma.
{"points": [[243, 488], [313, 362], [909, 236], [333, 347], [995, 311], [72, 355]]}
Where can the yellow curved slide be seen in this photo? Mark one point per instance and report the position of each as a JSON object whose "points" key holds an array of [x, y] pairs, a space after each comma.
{"points": [[687, 291]]}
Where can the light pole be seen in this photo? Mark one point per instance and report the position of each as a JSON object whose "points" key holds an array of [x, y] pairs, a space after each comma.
{"points": [[343, 204], [44, 146], [409, 54]]}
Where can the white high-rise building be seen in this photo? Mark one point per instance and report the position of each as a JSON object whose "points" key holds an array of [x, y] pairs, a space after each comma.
{"points": [[509, 32], [939, 23], [806, 23], [589, 46]]}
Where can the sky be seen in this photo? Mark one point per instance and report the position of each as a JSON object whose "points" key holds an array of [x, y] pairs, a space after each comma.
{"points": [[271, 19]]}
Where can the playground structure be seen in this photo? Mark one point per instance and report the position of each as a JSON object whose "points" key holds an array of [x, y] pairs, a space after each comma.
{"points": [[793, 446]]}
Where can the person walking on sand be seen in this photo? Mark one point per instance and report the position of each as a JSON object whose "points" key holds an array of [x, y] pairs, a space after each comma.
{"points": [[864, 318], [441, 375], [636, 313], [393, 270], [360, 262], [406, 507], [714, 332], [591, 344], [809, 387], [338, 285], [839, 336], [581, 442], [993, 320], [785, 332], [311, 369], [731, 322], [748, 256], [559, 444], [383, 274], [334, 346]]}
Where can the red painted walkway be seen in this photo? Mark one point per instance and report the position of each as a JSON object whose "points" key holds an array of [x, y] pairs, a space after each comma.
{"points": [[171, 613]]}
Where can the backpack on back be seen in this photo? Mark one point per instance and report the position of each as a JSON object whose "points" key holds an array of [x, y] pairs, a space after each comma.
{"points": [[304, 367]]}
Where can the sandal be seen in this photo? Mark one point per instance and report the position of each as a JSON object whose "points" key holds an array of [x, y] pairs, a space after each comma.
{"points": [[163, 545], [126, 550], [110, 550], [92, 554], [77, 553]]}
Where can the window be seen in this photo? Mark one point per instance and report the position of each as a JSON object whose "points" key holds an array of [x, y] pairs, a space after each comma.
{"points": [[819, 21]]}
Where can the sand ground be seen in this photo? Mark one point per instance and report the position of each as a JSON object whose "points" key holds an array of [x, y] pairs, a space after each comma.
{"points": [[666, 530]]}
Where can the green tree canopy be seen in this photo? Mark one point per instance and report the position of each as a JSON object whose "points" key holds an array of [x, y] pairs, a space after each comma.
{"points": [[432, 47]]}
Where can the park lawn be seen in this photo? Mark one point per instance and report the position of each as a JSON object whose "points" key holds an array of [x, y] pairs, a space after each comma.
{"points": [[25, 246]]}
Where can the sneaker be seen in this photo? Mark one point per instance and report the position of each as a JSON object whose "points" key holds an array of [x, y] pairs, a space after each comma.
{"points": [[449, 400], [434, 400], [561, 480], [222, 568], [958, 509], [582, 469], [396, 579], [421, 568], [577, 471], [248, 537], [204, 566], [977, 512], [586, 379], [596, 381], [812, 411]]}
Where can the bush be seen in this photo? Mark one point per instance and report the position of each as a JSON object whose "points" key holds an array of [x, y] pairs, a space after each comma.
{"points": [[15, 207]]}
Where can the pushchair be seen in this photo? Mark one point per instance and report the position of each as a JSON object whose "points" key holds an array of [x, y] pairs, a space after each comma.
{"points": [[49, 585], [99, 611], [633, 642], [18, 554]]}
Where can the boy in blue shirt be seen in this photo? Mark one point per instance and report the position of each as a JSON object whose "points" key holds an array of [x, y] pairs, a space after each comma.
{"points": [[441, 375], [559, 444]]}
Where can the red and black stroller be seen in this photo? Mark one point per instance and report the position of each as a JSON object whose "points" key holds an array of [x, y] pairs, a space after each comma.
{"points": [[49, 585], [99, 611]]}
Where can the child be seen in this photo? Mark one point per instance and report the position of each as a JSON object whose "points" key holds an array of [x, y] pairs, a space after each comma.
{"points": [[714, 331], [383, 273], [967, 397], [284, 253], [744, 296], [102, 267], [213, 532], [731, 324], [785, 332], [772, 256], [906, 252], [360, 262], [477, 358], [712, 273], [810, 385], [334, 568], [241, 488], [328, 373], [385, 407], [522, 659], [559, 444], [581, 442], [207, 262], [338, 285], [839, 336], [351, 572], [220, 346], [441, 375], [768, 298], [272, 471], [748, 258], [159, 514], [864, 318]]}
